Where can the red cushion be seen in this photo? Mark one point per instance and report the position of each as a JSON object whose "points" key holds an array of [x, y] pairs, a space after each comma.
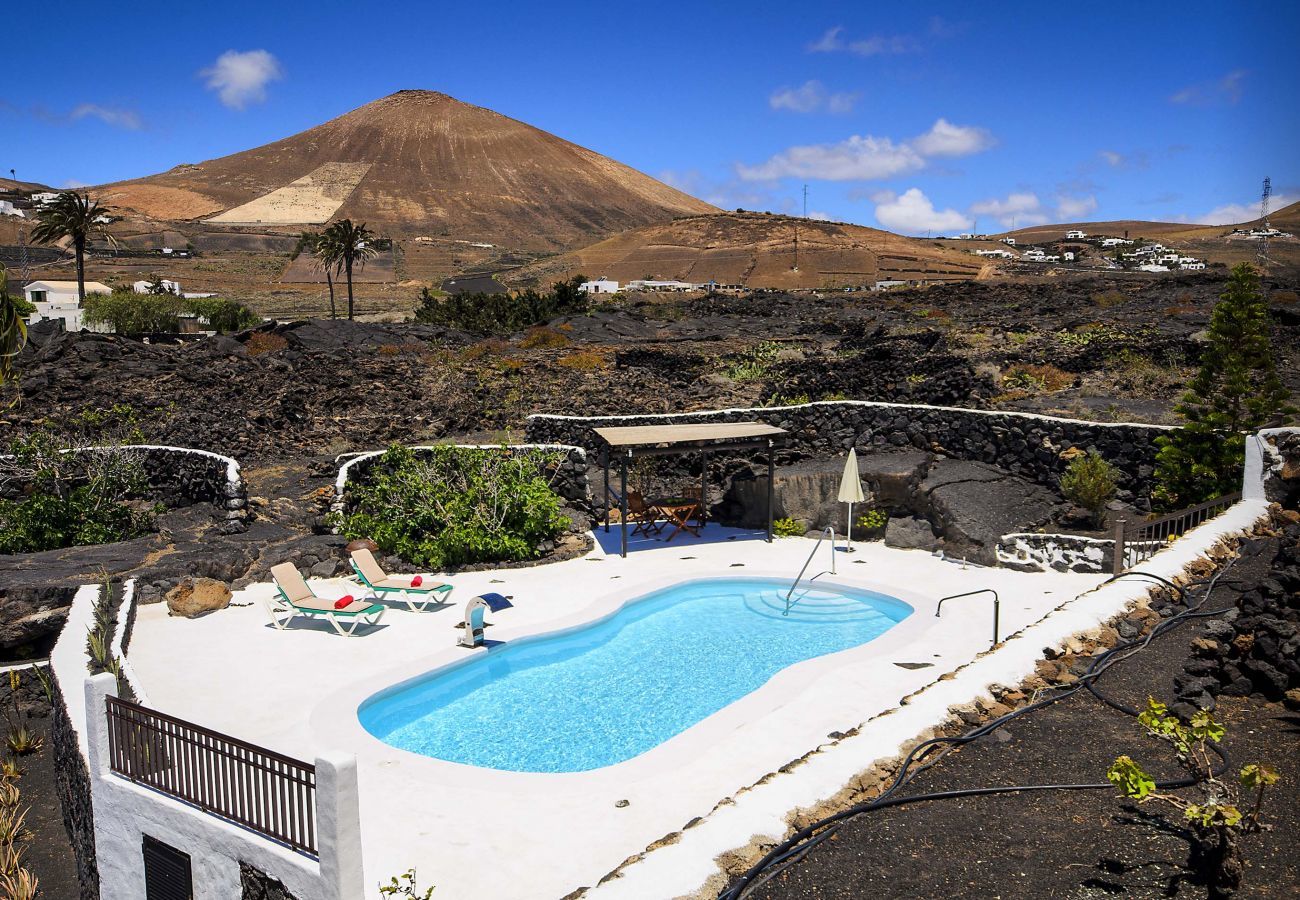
{"points": [[417, 581], [343, 602]]}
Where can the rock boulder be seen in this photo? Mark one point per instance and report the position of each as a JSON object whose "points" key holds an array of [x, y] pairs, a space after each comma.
{"points": [[195, 597]]}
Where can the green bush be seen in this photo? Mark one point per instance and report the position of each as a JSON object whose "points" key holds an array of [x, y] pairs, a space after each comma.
{"points": [[449, 506], [873, 520], [127, 312], [71, 499], [224, 316], [1089, 481], [788, 527], [502, 313]]}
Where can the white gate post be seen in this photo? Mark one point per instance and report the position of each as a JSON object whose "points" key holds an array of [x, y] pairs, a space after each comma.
{"points": [[97, 687], [338, 827]]}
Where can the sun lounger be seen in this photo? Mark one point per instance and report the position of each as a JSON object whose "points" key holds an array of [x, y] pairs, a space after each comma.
{"points": [[418, 598], [296, 598]]}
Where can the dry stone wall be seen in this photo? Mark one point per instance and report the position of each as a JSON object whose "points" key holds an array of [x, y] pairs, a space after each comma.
{"points": [[1026, 445]]}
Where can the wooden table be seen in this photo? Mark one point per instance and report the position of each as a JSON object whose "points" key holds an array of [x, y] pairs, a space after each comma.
{"points": [[679, 511]]}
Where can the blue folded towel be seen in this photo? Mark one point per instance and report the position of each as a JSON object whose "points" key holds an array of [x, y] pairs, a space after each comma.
{"points": [[496, 602]]}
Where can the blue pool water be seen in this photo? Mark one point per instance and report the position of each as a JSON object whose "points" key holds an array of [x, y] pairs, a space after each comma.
{"points": [[608, 692]]}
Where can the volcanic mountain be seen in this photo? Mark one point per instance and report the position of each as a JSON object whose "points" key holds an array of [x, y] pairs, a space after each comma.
{"points": [[416, 163], [758, 250]]}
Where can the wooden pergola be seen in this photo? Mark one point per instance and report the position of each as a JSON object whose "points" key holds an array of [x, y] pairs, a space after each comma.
{"points": [[628, 442]]}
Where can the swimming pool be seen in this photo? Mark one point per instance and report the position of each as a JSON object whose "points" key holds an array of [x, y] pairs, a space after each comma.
{"points": [[602, 694]]}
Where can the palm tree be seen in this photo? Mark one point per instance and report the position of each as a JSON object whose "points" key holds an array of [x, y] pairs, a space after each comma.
{"points": [[352, 244], [13, 330], [323, 248], [71, 215]]}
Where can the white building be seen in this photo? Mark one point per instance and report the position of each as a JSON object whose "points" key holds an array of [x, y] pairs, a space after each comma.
{"points": [[45, 198], [1010, 242], [8, 209], [1075, 235], [996, 254], [1194, 264], [59, 300], [1153, 267], [599, 286], [1115, 242], [171, 287], [646, 285], [1034, 254], [1068, 256]]}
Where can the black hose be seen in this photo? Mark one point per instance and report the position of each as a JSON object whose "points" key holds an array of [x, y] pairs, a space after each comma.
{"points": [[804, 840]]}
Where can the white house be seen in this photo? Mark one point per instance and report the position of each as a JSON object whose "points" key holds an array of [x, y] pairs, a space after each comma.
{"points": [[1153, 267], [58, 300], [1068, 256], [996, 254], [599, 286], [647, 285], [45, 198], [1115, 242], [171, 287], [1034, 254], [8, 209], [1010, 242], [1075, 235]]}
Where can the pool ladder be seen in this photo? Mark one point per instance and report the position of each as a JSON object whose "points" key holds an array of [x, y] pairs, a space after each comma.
{"points": [[829, 530]]}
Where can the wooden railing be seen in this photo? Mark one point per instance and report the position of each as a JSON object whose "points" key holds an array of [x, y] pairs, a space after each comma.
{"points": [[1142, 540], [263, 791]]}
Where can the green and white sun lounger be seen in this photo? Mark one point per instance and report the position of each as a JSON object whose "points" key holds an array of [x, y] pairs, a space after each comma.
{"points": [[296, 598], [418, 599]]}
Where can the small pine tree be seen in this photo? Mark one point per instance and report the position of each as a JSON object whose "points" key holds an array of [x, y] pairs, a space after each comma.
{"points": [[1236, 390], [1090, 482]]}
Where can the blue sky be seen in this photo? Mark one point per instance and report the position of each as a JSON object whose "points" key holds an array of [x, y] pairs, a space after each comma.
{"points": [[916, 117]]}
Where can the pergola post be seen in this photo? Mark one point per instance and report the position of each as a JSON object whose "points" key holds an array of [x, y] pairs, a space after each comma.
{"points": [[622, 501], [704, 487], [606, 498], [771, 488]]}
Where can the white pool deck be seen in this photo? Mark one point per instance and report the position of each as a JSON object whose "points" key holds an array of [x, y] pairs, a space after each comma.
{"points": [[488, 834]]}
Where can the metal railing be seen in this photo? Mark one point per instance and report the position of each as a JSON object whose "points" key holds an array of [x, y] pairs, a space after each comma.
{"points": [[829, 529], [997, 607], [1142, 540], [263, 791]]}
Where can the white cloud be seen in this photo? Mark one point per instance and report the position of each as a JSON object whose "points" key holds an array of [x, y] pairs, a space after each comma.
{"points": [[72, 184], [857, 158], [819, 216], [867, 158], [812, 96], [1224, 90], [109, 115], [1236, 213], [832, 41], [241, 78], [911, 212], [1018, 210], [947, 139], [1112, 158], [1069, 208]]}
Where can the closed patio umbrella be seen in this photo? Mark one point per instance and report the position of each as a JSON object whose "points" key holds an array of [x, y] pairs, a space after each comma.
{"points": [[851, 492]]}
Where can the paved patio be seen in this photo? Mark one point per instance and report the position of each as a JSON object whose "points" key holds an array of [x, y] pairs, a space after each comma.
{"points": [[483, 833]]}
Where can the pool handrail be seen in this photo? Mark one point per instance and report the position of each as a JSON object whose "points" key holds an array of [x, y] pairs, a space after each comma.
{"points": [[997, 604], [829, 529]]}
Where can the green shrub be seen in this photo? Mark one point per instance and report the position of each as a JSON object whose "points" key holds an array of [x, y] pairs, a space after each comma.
{"points": [[788, 527], [873, 520], [71, 499], [224, 316], [450, 506], [502, 313], [753, 364], [1089, 481], [127, 312]]}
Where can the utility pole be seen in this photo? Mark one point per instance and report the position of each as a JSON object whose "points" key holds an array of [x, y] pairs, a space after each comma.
{"points": [[805, 201]]}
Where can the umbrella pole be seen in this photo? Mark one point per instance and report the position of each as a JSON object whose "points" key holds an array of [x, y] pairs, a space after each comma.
{"points": [[848, 531]]}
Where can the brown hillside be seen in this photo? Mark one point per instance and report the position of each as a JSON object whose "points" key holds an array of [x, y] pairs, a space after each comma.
{"points": [[757, 250], [416, 163], [1285, 219]]}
